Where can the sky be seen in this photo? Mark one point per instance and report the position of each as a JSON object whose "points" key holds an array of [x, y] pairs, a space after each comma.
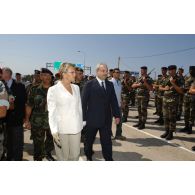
{"points": [[24, 53]]}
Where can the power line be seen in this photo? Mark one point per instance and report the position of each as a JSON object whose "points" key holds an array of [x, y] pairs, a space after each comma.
{"points": [[160, 54]]}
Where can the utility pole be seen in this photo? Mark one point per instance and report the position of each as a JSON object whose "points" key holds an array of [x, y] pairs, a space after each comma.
{"points": [[119, 59]]}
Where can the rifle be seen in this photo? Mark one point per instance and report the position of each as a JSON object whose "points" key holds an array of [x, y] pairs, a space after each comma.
{"points": [[140, 79]]}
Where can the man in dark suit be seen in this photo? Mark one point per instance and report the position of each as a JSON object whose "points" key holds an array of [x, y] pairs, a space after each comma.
{"points": [[15, 115], [99, 106]]}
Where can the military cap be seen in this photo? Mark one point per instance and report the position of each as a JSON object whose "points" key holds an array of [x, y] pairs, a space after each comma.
{"points": [[192, 68], [172, 67], [164, 68], [181, 69], [45, 70], [144, 67], [37, 72]]}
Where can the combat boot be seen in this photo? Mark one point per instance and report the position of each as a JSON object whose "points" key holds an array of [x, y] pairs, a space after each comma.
{"points": [[193, 148], [185, 129], [161, 122], [165, 134], [169, 136], [157, 121], [189, 130], [138, 124], [142, 126]]}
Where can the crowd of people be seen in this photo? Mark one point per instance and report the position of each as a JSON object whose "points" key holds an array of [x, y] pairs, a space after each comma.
{"points": [[64, 110]]}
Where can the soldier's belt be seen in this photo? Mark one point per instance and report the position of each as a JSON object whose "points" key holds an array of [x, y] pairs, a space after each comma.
{"points": [[138, 96], [160, 96]]}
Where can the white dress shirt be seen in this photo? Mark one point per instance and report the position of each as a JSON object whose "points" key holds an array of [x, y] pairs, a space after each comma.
{"points": [[100, 82], [117, 88], [9, 83], [65, 111]]}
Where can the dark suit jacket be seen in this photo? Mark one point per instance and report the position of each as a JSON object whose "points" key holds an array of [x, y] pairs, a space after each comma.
{"points": [[15, 117], [99, 107]]}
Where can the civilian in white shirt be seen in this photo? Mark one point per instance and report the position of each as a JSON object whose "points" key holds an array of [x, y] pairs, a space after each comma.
{"points": [[118, 87], [65, 114]]}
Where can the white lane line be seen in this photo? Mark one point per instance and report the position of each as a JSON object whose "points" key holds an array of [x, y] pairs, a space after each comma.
{"points": [[169, 142]]}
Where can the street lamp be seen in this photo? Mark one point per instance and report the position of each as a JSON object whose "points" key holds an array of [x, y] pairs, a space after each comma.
{"points": [[83, 58]]}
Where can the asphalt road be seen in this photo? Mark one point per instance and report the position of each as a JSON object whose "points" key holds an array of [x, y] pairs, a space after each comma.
{"points": [[140, 145]]}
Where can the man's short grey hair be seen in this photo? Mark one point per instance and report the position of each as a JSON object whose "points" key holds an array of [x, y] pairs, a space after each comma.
{"points": [[7, 70], [101, 64]]}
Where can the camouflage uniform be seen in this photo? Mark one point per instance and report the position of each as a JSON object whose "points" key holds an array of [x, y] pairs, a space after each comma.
{"points": [[30, 86], [181, 98], [3, 96], [132, 93], [143, 99], [170, 100], [189, 103], [40, 130], [125, 98], [81, 85], [160, 94]]}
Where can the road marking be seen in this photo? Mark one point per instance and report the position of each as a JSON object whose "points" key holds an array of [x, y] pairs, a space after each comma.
{"points": [[169, 142]]}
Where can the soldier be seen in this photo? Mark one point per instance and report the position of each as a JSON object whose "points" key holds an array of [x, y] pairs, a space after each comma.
{"points": [[181, 96], [143, 86], [160, 94], [125, 96], [4, 105], [18, 78], [79, 80], [189, 104], [110, 74], [37, 117], [172, 88], [132, 92], [36, 81], [192, 92], [155, 89]]}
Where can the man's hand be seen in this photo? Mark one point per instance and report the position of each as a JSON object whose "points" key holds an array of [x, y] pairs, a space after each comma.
{"points": [[167, 88], [56, 139], [27, 125], [117, 121], [84, 123], [172, 80]]}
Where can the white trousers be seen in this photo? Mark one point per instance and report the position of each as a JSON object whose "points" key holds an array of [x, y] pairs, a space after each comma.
{"points": [[70, 147]]}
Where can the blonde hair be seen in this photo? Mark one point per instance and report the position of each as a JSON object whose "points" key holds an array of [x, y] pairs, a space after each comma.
{"points": [[64, 68]]}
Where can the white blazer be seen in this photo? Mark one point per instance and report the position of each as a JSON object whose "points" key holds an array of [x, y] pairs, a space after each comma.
{"points": [[65, 110]]}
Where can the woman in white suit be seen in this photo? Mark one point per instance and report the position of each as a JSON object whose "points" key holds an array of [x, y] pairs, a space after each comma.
{"points": [[65, 114]]}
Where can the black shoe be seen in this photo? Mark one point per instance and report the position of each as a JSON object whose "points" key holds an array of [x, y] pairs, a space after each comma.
{"points": [[185, 129], [189, 130], [89, 158], [169, 136], [49, 157], [193, 148], [142, 126], [137, 125], [165, 134], [161, 122]]}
